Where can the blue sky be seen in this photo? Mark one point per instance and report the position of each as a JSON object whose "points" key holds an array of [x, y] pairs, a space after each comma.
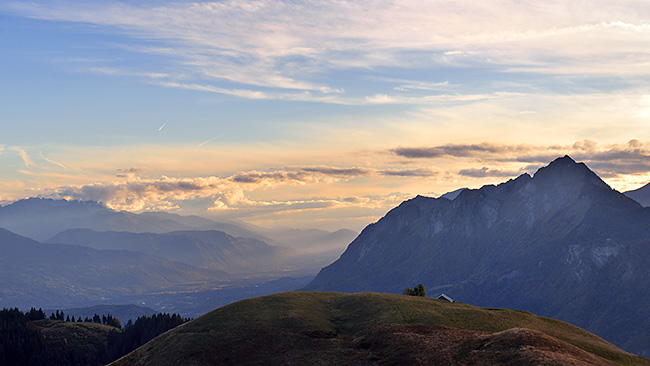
{"points": [[314, 113]]}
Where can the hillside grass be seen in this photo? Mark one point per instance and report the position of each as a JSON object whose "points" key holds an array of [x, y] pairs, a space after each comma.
{"points": [[87, 339], [326, 327]]}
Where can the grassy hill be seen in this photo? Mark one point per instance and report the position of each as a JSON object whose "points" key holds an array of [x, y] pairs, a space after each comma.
{"points": [[312, 328], [86, 338]]}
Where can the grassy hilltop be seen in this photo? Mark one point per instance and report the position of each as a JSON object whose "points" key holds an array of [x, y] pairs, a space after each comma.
{"points": [[310, 328]]}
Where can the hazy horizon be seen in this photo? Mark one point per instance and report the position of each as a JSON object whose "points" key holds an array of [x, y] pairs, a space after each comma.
{"points": [[304, 114]]}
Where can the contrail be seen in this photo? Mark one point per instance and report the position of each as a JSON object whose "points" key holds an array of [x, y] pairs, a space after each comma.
{"points": [[52, 161], [210, 140], [163, 126]]}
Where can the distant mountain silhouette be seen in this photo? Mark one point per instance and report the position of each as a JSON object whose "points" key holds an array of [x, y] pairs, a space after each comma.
{"points": [[40, 219], [312, 240], [205, 249], [200, 223], [561, 243], [60, 275], [641, 195]]}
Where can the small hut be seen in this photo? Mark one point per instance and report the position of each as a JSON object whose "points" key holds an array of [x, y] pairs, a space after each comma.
{"points": [[445, 297]]}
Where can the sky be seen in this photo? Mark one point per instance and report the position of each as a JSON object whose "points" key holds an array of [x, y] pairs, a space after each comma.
{"points": [[314, 113]]}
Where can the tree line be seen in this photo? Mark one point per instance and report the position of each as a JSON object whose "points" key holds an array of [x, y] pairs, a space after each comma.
{"points": [[22, 343], [60, 315]]}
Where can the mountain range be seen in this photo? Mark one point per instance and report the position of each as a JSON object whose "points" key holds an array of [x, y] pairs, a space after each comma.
{"points": [[560, 243], [203, 249], [41, 218], [60, 275], [78, 253]]}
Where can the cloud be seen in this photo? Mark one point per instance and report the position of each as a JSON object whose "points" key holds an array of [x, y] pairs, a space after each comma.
{"points": [[281, 49], [381, 99], [120, 72], [487, 172], [610, 160], [26, 160], [338, 172], [131, 172], [458, 150], [266, 190], [135, 193], [419, 85], [140, 194], [289, 189], [267, 178], [419, 172], [247, 208], [439, 98]]}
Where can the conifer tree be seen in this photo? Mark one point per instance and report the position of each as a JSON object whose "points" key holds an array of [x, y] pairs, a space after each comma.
{"points": [[416, 291]]}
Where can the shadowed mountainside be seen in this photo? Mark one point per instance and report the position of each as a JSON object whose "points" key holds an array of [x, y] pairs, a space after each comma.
{"points": [[309, 328], [641, 195], [204, 249], [561, 243], [311, 241], [55, 275]]}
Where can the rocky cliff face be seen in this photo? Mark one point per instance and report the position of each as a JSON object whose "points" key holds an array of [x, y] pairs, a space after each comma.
{"points": [[561, 243]]}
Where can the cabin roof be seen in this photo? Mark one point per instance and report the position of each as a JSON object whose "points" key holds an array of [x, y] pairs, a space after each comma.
{"points": [[445, 297]]}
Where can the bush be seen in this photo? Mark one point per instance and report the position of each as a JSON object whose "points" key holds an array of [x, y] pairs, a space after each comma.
{"points": [[416, 291]]}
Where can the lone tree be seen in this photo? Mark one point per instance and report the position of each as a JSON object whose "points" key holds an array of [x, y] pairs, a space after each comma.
{"points": [[416, 291]]}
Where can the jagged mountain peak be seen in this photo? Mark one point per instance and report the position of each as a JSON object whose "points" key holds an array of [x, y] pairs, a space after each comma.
{"points": [[561, 182], [567, 171], [48, 203], [453, 194], [555, 188]]}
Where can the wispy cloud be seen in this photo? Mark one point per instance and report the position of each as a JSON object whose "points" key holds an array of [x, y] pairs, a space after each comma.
{"points": [[253, 49], [52, 161], [131, 172], [488, 172], [419, 172], [466, 150], [26, 159], [427, 99]]}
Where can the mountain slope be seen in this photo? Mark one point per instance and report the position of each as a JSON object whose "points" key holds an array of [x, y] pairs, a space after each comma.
{"points": [[561, 243], [203, 224], [641, 195], [54, 275], [309, 328], [205, 249]]}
